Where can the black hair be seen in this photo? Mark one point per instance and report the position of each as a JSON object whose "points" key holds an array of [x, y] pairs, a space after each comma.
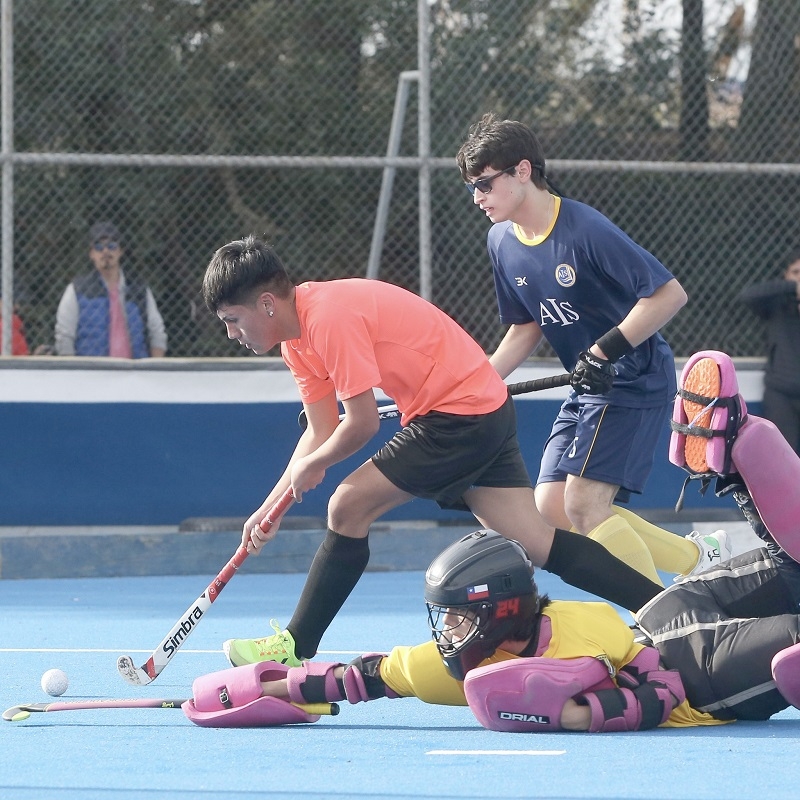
{"points": [[240, 270], [500, 144]]}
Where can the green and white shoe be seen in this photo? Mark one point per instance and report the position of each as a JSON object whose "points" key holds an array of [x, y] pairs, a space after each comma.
{"points": [[715, 548], [278, 647]]}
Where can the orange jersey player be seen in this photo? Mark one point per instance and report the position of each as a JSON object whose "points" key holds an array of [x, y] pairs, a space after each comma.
{"points": [[457, 445]]}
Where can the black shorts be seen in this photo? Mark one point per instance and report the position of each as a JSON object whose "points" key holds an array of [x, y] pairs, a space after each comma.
{"points": [[440, 456]]}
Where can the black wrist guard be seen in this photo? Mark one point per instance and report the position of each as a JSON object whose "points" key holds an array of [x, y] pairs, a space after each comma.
{"points": [[614, 344]]}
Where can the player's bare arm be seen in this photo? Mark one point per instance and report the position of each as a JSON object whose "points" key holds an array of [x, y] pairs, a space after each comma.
{"points": [[360, 424], [649, 315], [323, 417], [519, 343]]}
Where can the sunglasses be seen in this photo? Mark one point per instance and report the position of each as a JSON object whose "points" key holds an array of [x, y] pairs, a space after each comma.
{"points": [[484, 185], [100, 246]]}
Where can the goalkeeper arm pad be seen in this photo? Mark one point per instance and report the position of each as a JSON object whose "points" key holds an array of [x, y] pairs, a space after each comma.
{"points": [[646, 695]]}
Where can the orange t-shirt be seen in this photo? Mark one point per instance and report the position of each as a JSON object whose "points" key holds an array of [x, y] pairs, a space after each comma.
{"points": [[359, 334]]}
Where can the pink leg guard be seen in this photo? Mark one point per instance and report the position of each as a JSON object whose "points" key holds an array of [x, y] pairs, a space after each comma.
{"points": [[771, 472], [786, 672]]}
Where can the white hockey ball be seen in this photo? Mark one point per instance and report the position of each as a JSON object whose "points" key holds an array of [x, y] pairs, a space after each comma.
{"points": [[55, 682]]}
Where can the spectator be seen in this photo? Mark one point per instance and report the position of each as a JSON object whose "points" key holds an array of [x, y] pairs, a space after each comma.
{"points": [[106, 312], [19, 344], [777, 303]]}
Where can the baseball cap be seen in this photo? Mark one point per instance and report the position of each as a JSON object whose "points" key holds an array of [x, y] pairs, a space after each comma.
{"points": [[103, 230]]}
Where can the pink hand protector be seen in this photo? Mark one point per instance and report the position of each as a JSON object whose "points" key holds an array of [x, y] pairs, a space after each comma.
{"points": [[528, 694], [232, 698], [266, 712]]}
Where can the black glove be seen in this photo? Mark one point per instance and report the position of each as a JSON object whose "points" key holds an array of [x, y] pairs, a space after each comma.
{"points": [[592, 374]]}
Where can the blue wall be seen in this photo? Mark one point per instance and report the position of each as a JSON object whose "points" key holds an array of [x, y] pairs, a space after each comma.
{"points": [[158, 463]]}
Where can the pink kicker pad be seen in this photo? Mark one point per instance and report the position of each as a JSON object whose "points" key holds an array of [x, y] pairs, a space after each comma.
{"points": [[729, 387], [264, 712], [786, 672], [528, 694], [771, 472]]}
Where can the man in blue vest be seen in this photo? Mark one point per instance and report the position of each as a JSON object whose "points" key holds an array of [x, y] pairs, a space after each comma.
{"points": [[107, 312]]}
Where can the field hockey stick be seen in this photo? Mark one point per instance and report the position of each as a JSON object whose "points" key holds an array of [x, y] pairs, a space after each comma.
{"points": [[535, 385], [384, 412], [540, 384], [21, 712], [152, 668]]}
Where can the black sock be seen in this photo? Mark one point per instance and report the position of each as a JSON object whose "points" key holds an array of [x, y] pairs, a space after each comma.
{"points": [[339, 563], [584, 563]]}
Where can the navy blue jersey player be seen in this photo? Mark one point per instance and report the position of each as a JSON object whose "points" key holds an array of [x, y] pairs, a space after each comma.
{"points": [[566, 273], [578, 281]]}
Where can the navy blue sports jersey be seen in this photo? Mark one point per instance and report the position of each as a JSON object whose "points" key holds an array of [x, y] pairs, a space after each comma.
{"points": [[577, 281]]}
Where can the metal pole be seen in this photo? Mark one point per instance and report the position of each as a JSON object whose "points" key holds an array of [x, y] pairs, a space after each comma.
{"points": [[7, 147], [387, 181], [424, 125]]}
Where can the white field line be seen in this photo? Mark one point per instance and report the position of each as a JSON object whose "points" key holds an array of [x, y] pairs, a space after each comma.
{"points": [[495, 752]]}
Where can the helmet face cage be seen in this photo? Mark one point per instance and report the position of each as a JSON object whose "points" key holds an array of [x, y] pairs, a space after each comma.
{"points": [[464, 622], [479, 629], [476, 632]]}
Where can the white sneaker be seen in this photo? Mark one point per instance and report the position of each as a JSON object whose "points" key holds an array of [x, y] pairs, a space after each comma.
{"points": [[714, 549]]}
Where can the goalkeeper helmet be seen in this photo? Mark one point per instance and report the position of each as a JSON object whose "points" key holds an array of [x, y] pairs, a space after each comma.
{"points": [[480, 592]]}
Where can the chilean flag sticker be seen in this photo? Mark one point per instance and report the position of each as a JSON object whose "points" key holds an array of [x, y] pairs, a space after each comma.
{"points": [[477, 592]]}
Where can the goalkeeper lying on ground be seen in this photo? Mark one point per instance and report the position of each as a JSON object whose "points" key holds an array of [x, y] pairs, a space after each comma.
{"points": [[712, 648]]}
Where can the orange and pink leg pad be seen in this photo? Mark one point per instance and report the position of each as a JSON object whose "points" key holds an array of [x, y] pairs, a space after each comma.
{"points": [[713, 435]]}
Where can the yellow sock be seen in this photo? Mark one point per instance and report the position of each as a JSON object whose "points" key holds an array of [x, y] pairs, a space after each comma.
{"points": [[670, 552], [623, 542]]}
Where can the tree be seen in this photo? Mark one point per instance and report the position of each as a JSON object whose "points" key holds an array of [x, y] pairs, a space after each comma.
{"points": [[770, 113], [694, 122]]}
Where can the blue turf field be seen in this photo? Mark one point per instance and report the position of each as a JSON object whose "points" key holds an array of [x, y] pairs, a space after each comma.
{"points": [[386, 749]]}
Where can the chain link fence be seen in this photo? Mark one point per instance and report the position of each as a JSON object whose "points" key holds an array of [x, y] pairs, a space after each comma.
{"points": [[192, 122]]}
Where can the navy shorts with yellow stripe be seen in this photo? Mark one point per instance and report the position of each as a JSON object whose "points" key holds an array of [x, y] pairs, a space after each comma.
{"points": [[602, 442]]}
